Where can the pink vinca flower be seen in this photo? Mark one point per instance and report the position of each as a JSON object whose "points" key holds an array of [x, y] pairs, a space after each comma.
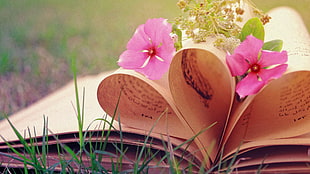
{"points": [[260, 66], [150, 50]]}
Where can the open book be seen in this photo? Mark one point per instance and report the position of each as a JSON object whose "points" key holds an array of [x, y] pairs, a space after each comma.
{"points": [[194, 105]]}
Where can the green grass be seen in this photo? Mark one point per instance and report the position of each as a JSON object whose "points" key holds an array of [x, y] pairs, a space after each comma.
{"points": [[86, 155], [34, 153], [38, 39], [35, 156]]}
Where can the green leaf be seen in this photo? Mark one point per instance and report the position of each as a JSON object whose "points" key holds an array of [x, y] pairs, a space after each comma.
{"points": [[253, 27], [274, 45], [178, 32]]}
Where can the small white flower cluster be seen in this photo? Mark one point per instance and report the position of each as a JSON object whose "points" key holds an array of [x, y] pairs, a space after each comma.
{"points": [[227, 44], [201, 19]]}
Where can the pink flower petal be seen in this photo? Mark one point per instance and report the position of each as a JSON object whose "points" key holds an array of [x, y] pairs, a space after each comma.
{"points": [[269, 58], [249, 85], [158, 29], [167, 42], [273, 73], [139, 41], [166, 51], [150, 50], [236, 64], [131, 59], [250, 49], [155, 69]]}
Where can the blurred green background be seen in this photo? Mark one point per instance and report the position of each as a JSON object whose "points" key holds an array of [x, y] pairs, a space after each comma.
{"points": [[38, 39]]}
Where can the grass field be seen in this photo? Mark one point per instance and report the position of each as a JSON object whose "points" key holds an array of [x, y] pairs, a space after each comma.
{"points": [[39, 38]]}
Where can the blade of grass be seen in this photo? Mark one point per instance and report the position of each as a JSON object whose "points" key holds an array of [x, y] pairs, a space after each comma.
{"points": [[136, 166], [120, 159], [32, 153], [79, 114], [173, 165], [28, 149], [105, 153], [72, 153], [189, 140], [19, 136], [146, 161], [229, 168], [20, 157], [67, 149], [36, 154], [111, 125], [59, 152], [261, 166], [218, 165], [120, 154], [106, 133], [44, 142], [26, 168], [222, 165]]}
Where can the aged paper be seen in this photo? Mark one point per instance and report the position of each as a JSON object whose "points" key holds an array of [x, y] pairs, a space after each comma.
{"points": [[281, 110], [143, 104], [202, 88]]}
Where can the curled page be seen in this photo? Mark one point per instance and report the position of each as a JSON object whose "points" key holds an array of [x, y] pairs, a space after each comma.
{"points": [[281, 110], [203, 89], [143, 104]]}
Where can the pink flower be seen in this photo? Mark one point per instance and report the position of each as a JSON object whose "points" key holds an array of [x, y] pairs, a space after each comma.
{"points": [[150, 50], [249, 59]]}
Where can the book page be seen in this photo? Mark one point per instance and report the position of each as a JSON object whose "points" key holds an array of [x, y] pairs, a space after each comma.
{"points": [[273, 155], [275, 119], [132, 142], [282, 109], [143, 104], [59, 109], [202, 88], [302, 140]]}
